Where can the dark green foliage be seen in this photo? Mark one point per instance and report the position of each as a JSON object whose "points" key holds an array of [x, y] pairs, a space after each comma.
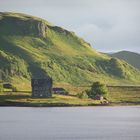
{"points": [[97, 88]]}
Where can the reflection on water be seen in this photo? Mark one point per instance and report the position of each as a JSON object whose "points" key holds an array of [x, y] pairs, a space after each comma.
{"points": [[70, 123]]}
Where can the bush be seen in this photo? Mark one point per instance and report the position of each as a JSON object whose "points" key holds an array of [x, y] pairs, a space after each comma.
{"points": [[97, 89], [82, 95]]}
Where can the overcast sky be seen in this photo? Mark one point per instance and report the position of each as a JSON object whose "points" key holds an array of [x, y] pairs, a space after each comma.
{"points": [[108, 25]]}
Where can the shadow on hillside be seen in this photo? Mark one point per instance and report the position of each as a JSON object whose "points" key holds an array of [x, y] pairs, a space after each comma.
{"points": [[34, 67]]}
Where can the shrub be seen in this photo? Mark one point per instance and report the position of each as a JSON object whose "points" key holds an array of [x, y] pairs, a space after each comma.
{"points": [[97, 89], [82, 95]]}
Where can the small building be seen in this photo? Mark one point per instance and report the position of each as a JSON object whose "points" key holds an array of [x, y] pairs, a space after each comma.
{"points": [[7, 85], [41, 87], [61, 91]]}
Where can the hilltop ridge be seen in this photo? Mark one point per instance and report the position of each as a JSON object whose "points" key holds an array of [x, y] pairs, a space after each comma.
{"points": [[130, 57]]}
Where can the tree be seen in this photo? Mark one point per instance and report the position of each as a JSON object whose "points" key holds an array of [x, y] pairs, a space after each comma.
{"points": [[97, 89]]}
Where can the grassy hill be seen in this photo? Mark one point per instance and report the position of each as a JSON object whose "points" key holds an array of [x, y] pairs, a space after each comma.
{"points": [[32, 47], [130, 57]]}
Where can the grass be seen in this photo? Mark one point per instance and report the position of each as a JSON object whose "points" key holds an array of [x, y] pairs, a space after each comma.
{"points": [[30, 46], [24, 99], [58, 52], [125, 95]]}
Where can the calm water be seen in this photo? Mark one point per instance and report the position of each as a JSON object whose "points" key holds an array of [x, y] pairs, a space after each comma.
{"points": [[79, 123]]}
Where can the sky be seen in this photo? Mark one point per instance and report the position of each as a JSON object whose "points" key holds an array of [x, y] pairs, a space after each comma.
{"points": [[108, 25]]}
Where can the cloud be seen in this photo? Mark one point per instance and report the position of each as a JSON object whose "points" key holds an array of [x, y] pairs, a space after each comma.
{"points": [[109, 25]]}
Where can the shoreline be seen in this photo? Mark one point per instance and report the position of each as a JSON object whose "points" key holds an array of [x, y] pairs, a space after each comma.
{"points": [[25, 100], [67, 105]]}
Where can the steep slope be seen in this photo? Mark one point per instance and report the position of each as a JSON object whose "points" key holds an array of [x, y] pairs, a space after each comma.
{"points": [[32, 47], [130, 57]]}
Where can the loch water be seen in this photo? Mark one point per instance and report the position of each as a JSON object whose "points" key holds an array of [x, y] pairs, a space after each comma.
{"points": [[70, 123]]}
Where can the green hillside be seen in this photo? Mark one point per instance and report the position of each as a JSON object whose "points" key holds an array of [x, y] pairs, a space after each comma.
{"points": [[130, 57], [32, 47]]}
